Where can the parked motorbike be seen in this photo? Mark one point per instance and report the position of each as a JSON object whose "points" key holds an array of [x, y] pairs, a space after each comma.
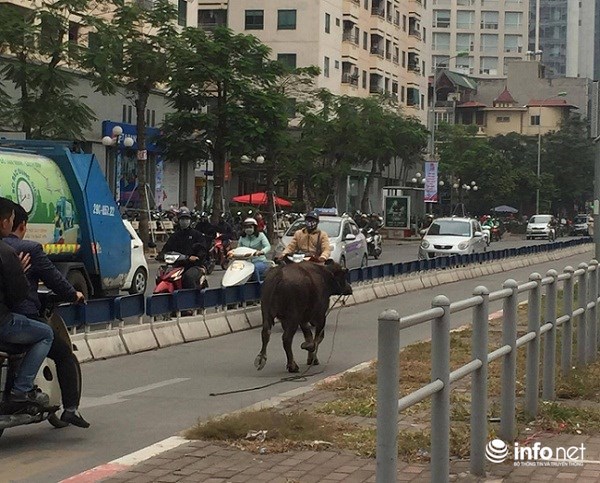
{"points": [[11, 355], [218, 252], [170, 275], [374, 242]]}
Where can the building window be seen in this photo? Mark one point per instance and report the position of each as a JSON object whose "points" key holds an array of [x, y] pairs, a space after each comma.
{"points": [[153, 121], [326, 66], [182, 13], [327, 23], [129, 114], [337, 22], [124, 117], [337, 64], [489, 20], [502, 119], [366, 4], [464, 19], [488, 65], [422, 102], [404, 23], [288, 60], [441, 18], [286, 19], [513, 19], [535, 120], [364, 79], [255, 19], [365, 41], [401, 93]]}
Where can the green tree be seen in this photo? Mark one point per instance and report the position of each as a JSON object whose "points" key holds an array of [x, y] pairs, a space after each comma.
{"points": [[230, 100], [129, 52], [37, 48]]}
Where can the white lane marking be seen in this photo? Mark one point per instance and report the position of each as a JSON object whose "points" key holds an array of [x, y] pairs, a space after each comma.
{"points": [[150, 451], [118, 397]]}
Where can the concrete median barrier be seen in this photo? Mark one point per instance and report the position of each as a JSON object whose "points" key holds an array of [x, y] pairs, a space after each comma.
{"points": [[193, 328], [137, 338], [105, 344], [167, 332]]}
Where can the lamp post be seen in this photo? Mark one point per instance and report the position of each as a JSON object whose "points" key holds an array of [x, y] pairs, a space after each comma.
{"points": [[539, 153], [271, 211], [112, 146]]}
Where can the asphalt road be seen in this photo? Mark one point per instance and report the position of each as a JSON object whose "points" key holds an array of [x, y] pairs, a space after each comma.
{"points": [[137, 400]]}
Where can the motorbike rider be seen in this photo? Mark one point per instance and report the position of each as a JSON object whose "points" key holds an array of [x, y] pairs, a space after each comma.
{"points": [[192, 243], [310, 240], [16, 328], [205, 227], [226, 231], [60, 352], [257, 240], [375, 221]]}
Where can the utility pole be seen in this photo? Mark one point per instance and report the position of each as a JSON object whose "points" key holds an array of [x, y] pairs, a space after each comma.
{"points": [[595, 132]]}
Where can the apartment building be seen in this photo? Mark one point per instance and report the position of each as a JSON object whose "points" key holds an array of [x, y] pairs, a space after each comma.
{"points": [[362, 47], [566, 36], [493, 32]]}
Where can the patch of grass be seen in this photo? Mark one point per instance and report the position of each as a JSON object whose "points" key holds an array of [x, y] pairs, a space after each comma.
{"points": [[581, 383], [560, 417]]}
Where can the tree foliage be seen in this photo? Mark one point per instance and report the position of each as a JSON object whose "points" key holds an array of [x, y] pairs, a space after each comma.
{"points": [[38, 48]]}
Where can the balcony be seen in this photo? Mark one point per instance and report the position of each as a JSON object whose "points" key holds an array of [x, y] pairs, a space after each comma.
{"points": [[414, 67], [396, 59], [210, 19], [351, 37], [350, 78], [378, 51], [378, 11], [375, 89], [414, 33]]}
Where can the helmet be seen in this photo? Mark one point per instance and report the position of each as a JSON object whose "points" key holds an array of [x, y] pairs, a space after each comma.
{"points": [[250, 221], [312, 214], [184, 213]]}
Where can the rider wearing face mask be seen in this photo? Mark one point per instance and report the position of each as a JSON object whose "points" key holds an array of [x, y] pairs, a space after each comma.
{"points": [[192, 243], [310, 240], [252, 238]]}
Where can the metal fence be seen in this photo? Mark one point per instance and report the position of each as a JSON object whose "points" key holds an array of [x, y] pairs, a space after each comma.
{"points": [[389, 329], [108, 310]]}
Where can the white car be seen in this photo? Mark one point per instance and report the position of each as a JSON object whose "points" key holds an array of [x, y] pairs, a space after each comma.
{"points": [[541, 226], [348, 244], [137, 278], [452, 236]]}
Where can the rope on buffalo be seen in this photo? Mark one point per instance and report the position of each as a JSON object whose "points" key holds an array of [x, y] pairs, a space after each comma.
{"points": [[303, 376]]}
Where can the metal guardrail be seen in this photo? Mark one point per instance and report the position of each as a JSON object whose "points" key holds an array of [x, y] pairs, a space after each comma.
{"points": [[390, 325], [109, 310]]}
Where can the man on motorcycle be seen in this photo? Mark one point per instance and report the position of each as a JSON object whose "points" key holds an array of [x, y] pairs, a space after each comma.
{"points": [[193, 244], [15, 328], [42, 269], [257, 240], [310, 240], [205, 227]]}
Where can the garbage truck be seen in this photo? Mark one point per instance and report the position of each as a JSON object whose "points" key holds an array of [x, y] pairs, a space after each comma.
{"points": [[72, 212]]}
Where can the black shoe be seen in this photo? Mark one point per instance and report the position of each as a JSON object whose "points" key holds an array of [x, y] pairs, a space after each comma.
{"points": [[34, 396], [74, 418]]}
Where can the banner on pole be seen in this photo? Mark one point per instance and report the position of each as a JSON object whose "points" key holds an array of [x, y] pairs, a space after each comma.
{"points": [[431, 182]]}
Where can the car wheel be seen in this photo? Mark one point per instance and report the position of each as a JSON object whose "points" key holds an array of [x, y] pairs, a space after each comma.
{"points": [[343, 261], [76, 278], [139, 282], [365, 261]]}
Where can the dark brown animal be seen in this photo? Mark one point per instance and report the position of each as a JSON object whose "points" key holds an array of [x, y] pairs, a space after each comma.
{"points": [[298, 296]]}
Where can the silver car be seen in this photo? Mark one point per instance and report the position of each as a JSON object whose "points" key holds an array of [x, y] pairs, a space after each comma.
{"points": [[452, 236], [348, 244]]}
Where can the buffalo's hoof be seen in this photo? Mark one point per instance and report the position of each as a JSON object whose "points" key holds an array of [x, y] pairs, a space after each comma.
{"points": [[312, 361], [309, 346], [293, 367], [260, 361]]}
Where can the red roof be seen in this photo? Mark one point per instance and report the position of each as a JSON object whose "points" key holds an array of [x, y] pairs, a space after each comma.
{"points": [[549, 103], [505, 97], [471, 104]]}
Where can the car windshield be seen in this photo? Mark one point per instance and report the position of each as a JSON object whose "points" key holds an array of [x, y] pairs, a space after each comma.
{"points": [[540, 219], [450, 228], [331, 227], [581, 219]]}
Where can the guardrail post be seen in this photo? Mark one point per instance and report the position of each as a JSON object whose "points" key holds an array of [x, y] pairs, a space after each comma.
{"points": [[532, 374], [567, 331], [582, 322], [549, 368], [593, 317], [440, 401], [388, 355], [479, 389], [509, 364]]}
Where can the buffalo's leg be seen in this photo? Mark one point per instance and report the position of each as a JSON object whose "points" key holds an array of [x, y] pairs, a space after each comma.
{"points": [[312, 356], [309, 343], [261, 358], [288, 337]]}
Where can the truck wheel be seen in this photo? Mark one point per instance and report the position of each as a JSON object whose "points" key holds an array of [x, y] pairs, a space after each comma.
{"points": [[76, 279], [139, 282]]}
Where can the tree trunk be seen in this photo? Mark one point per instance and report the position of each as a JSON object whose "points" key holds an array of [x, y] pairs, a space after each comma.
{"points": [[364, 203], [142, 155], [270, 205], [26, 126], [220, 155]]}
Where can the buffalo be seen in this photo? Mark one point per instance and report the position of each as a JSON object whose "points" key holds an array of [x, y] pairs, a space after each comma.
{"points": [[298, 296]]}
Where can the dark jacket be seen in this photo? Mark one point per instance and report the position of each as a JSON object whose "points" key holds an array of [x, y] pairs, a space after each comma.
{"points": [[13, 284], [188, 242], [41, 269]]}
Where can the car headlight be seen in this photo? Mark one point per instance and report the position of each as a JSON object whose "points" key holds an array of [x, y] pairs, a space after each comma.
{"points": [[463, 245], [424, 244]]}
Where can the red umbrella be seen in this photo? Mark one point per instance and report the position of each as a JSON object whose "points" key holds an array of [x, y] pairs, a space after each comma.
{"points": [[260, 199]]}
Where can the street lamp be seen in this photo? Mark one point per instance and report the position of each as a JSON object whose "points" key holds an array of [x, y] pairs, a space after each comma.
{"points": [[539, 153], [434, 101]]}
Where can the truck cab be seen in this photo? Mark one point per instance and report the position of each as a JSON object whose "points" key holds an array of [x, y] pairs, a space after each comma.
{"points": [[72, 212]]}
